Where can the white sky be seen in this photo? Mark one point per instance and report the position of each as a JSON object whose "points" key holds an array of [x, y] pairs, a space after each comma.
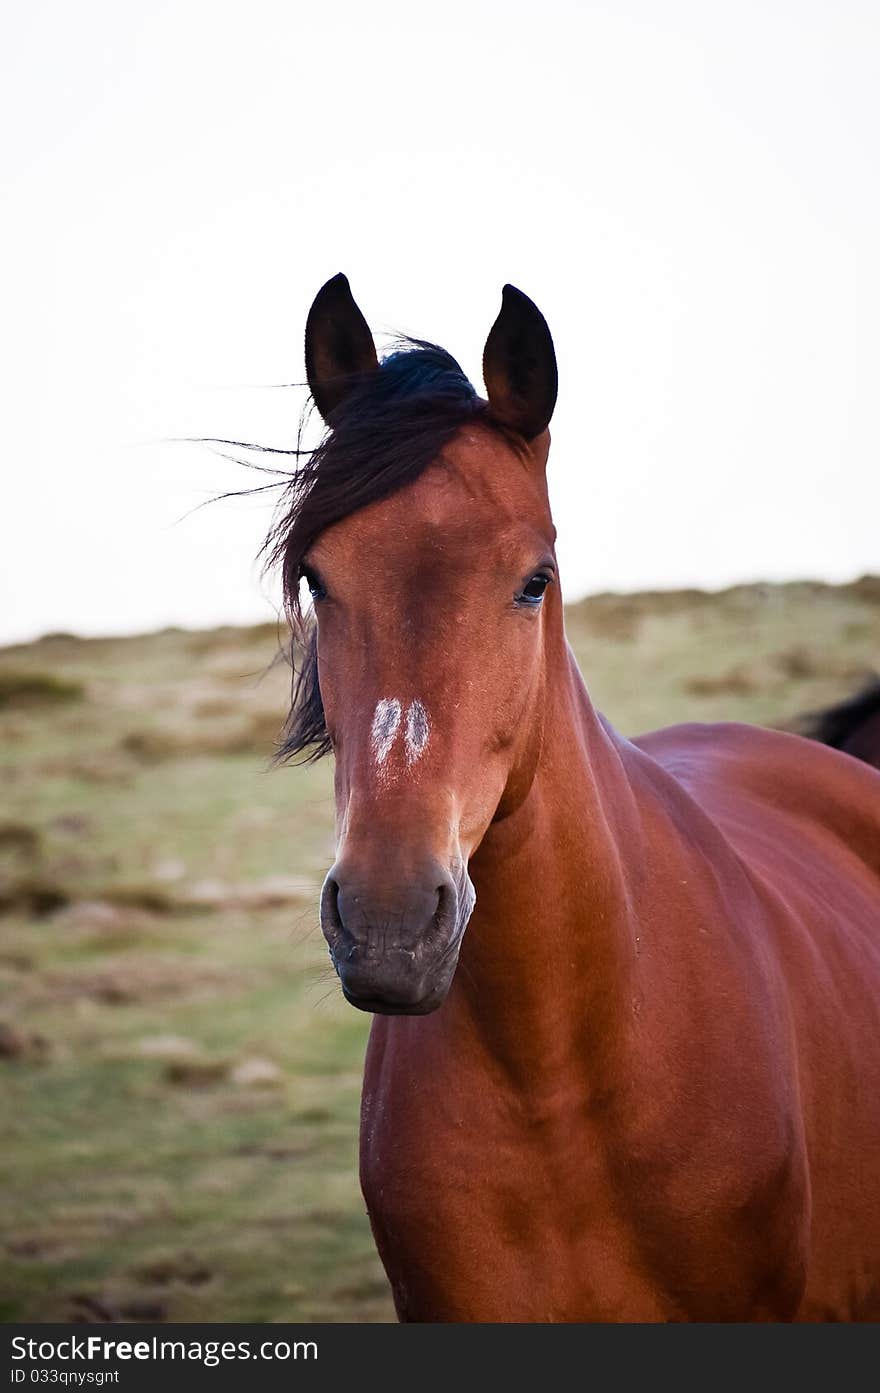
{"points": [[688, 190]]}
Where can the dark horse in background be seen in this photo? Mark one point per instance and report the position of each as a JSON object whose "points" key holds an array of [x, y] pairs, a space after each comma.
{"points": [[852, 725], [625, 1057]]}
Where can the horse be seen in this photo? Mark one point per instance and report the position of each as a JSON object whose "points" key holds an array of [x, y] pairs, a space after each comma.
{"points": [[852, 725], [624, 1061]]}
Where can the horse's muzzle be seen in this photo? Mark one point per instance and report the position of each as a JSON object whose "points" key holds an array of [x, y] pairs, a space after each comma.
{"points": [[394, 945]]}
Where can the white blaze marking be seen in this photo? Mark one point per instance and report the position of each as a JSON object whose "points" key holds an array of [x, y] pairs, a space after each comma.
{"points": [[386, 721], [417, 731]]}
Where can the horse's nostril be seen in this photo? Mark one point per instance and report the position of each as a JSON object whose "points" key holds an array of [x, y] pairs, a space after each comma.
{"points": [[331, 920], [445, 902]]}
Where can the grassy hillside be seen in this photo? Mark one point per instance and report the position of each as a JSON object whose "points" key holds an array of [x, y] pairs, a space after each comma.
{"points": [[180, 1076]]}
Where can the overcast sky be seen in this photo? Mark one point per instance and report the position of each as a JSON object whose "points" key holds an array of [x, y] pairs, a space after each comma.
{"points": [[688, 190]]}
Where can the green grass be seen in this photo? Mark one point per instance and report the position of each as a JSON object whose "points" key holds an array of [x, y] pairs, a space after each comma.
{"points": [[160, 931]]}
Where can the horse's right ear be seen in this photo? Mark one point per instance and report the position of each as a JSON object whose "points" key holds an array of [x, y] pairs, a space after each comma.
{"points": [[339, 345]]}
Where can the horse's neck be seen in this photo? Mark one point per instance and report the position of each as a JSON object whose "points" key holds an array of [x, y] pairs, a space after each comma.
{"points": [[548, 962]]}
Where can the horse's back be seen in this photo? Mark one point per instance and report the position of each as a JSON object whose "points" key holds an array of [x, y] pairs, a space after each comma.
{"points": [[804, 821], [763, 785]]}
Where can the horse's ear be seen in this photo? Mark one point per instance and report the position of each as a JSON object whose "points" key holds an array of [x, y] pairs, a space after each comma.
{"points": [[519, 366], [339, 345]]}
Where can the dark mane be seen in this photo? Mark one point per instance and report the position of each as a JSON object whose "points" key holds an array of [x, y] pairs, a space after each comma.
{"points": [[835, 725], [386, 432]]}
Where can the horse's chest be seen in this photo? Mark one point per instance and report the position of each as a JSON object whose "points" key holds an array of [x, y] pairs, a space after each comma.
{"points": [[480, 1217], [485, 1212]]}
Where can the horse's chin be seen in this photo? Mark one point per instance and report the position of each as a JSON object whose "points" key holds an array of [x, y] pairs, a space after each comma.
{"points": [[380, 1006], [396, 996]]}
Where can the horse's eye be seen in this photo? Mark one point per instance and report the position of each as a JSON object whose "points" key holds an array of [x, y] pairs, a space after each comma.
{"points": [[313, 581], [532, 592]]}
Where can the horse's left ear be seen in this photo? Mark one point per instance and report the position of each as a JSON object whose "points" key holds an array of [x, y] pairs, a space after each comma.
{"points": [[339, 345], [519, 366]]}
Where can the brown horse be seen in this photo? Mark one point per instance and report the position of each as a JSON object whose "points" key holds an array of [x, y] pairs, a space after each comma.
{"points": [[625, 1062], [852, 725]]}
